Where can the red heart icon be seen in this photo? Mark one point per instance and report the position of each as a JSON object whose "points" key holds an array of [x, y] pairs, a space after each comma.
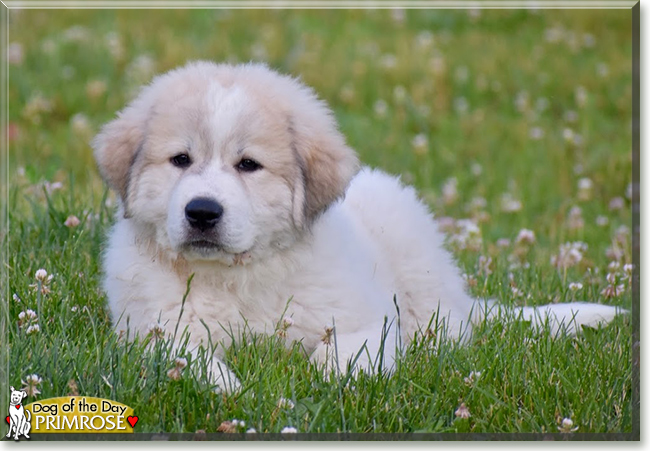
{"points": [[132, 420], [9, 422]]}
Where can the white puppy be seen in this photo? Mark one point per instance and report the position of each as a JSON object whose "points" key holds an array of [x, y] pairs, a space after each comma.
{"points": [[238, 176]]}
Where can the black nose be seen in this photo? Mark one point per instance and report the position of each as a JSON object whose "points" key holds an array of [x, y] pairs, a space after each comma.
{"points": [[203, 213]]}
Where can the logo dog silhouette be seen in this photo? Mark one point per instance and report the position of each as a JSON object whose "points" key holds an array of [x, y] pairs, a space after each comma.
{"points": [[19, 421]]}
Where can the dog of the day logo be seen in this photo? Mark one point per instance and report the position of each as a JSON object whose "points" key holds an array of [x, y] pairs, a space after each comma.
{"points": [[67, 414]]}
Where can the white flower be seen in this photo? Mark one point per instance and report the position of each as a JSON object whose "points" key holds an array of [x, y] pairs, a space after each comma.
{"points": [[536, 133], [420, 144], [602, 221], [28, 315], [156, 330], [72, 221], [567, 426], [462, 412], [34, 328], [509, 204], [575, 286], [616, 203], [41, 275], [574, 220], [399, 93], [585, 188], [287, 322], [31, 383], [16, 298], [284, 403], [289, 430], [570, 255], [472, 378], [381, 108], [251, 431], [525, 236], [450, 191], [180, 362]]}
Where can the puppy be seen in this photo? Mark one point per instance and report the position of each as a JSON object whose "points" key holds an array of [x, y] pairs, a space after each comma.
{"points": [[19, 421], [238, 177]]}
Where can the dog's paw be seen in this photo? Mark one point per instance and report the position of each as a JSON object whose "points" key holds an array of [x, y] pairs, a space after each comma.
{"points": [[222, 379]]}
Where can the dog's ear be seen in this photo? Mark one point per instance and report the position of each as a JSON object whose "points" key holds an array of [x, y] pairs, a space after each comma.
{"points": [[24, 394], [116, 147], [327, 164], [12, 389]]}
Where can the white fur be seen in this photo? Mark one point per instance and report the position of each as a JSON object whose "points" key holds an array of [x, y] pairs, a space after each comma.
{"points": [[342, 273]]}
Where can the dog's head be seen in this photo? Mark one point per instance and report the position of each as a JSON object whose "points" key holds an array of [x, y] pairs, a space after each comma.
{"points": [[223, 162], [16, 396]]}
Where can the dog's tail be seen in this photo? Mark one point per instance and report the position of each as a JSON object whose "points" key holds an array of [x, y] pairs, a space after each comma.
{"points": [[568, 318]]}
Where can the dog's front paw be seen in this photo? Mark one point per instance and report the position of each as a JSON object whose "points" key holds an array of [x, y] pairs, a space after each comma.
{"points": [[222, 379]]}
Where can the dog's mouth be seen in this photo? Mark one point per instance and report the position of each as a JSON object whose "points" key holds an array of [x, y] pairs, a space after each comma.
{"points": [[203, 245], [211, 250]]}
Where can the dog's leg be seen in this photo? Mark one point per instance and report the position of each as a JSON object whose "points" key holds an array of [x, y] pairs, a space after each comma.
{"points": [[218, 373], [371, 350]]}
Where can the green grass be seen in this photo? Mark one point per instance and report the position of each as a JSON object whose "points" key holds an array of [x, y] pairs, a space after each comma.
{"points": [[478, 88]]}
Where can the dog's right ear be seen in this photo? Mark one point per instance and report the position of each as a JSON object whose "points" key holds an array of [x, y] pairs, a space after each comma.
{"points": [[12, 389], [115, 149]]}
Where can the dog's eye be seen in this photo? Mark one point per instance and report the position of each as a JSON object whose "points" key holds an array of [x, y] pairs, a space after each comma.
{"points": [[248, 165], [182, 160]]}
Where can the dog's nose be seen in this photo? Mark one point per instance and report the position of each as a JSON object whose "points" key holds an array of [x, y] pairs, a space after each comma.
{"points": [[203, 213]]}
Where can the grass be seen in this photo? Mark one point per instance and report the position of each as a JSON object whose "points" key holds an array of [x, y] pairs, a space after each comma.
{"points": [[494, 117]]}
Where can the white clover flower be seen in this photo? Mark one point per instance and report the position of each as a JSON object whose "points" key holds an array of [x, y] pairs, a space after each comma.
{"points": [[284, 403], [288, 430], [29, 315], [450, 191], [461, 105], [380, 108], [16, 298], [614, 266], [616, 203], [388, 61], [41, 275], [525, 236], [420, 144], [399, 93], [462, 412], [581, 96], [509, 204], [567, 426], [476, 169], [585, 188], [536, 133], [602, 221], [472, 378], [287, 322], [570, 254], [503, 243], [574, 219], [72, 221], [180, 362], [31, 383], [251, 431], [156, 330], [33, 329], [575, 286]]}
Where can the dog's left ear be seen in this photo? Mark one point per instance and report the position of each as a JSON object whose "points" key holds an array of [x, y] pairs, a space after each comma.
{"points": [[115, 148], [326, 162], [24, 394]]}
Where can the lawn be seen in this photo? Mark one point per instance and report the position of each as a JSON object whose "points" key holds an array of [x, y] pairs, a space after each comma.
{"points": [[514, 125]]}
